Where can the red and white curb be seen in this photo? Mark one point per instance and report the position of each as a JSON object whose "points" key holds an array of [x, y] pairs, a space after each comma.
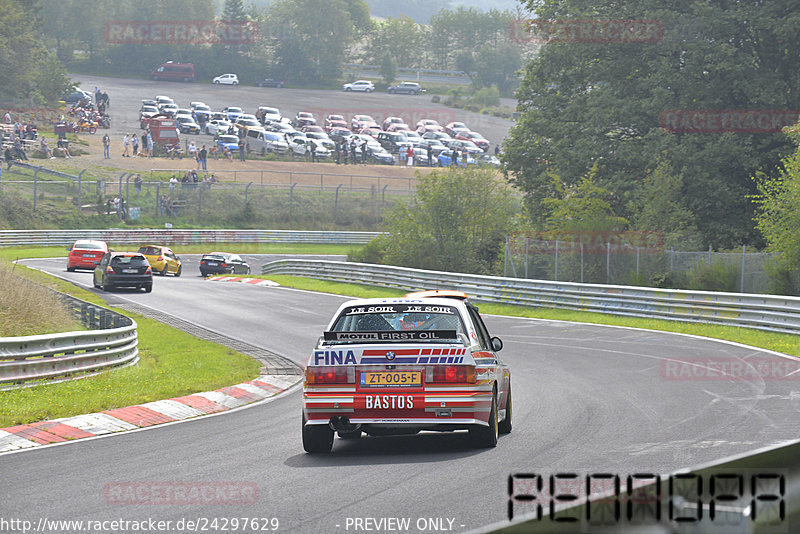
{"points": [[143, 415], [251, 281]]}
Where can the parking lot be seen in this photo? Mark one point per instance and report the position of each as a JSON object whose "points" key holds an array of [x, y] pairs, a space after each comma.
{"points": [[126, 95]]}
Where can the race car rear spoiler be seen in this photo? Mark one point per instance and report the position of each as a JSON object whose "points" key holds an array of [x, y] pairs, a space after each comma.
{"points": [[392, 335]]}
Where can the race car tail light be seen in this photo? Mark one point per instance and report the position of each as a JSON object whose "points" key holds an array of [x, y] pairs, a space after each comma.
{"points": [[109, 269], [450, 374], [330, 375], [148, 271]]}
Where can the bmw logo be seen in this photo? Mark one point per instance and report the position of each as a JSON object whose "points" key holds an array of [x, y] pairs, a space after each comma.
{"points": [[390, 355]]}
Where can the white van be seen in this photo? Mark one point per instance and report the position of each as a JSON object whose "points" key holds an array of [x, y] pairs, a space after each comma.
{"points": [[263, 143]]}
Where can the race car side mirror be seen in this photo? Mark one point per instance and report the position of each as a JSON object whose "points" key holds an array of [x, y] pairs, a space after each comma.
{"points": [[497, 344]]}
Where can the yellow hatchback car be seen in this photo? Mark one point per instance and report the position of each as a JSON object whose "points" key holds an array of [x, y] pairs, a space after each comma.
{"points": [[162, 260]]}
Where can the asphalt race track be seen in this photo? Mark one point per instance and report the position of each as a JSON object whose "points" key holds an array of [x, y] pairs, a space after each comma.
{"points": [[586, 399]]}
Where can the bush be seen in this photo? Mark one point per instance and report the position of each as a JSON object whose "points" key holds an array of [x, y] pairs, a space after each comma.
{"points": [[718, 276]]}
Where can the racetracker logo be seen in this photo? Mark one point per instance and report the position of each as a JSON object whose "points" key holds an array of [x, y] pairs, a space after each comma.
{"points": [[588, 242], [193, 32], [728, 120], [752, 369], [585, 31], [180, 493]]}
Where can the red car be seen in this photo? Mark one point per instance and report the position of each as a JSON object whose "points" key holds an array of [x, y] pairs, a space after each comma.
{"points": [[475, 137], [86, 254], [398, 127], [452, 127], [392, 120], [428, 125], [304, 118], [330, 124], [359, 122]]}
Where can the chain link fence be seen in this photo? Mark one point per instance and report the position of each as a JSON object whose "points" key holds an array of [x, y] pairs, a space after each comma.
{"points": [[620, 260]]}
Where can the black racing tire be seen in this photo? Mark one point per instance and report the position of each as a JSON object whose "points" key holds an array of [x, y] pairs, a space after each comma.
{"points": [[248, 270], [70, 269], [148, 287], [94, 283], [317, 439], [485, 437], [505, 425], [178, 272], [105, 286]]}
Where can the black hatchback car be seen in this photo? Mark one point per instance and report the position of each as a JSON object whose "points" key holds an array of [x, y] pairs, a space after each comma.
{"points": [[123, 269], [223, 263]]}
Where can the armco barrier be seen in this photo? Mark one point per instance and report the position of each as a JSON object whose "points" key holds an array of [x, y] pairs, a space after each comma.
{"points": [[112, 343], [763, 312], [179, 237]]}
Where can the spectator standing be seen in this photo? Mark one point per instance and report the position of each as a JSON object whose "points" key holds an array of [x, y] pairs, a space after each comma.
{"points": [[496, 150], [125, 143], [430, 156], [172, 182], [241, 149], [135, 143], [149, 144], [312, 149], [203, 157], [8, 118], [353, 152], [192, 150], [455, 158], [410, 156], [106, 146], [137, 183]]}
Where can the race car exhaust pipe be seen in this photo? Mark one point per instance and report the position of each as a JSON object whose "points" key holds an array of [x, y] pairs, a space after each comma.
{"points": [[341, 423]]}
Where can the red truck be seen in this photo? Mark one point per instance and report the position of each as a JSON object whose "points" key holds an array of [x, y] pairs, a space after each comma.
{"points": [[164, 131]]}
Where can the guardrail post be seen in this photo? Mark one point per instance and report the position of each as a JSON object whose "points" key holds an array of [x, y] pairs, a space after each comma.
{"points": [[744, 258], [555, 273], [35, 180], [80, 195]]}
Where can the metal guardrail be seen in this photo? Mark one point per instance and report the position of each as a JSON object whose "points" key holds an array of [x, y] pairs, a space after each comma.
{"points": [[763, 312], [113, 342], [180, 237]]}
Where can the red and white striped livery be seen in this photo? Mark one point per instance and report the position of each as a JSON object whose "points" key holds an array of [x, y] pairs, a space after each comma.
{"points": [[401, 365]]}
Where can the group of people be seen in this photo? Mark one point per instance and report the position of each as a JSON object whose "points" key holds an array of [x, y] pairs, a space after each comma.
{"points": [[351, 152], [21, 129], [139, 149]]}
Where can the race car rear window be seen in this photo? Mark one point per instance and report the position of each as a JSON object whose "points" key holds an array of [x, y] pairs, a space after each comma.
{"points": [[87, 245], [398, 317]]}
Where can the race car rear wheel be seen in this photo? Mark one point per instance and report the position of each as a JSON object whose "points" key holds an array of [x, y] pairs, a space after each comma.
{"points": [[317, 438], [178, 272], [486, 436], [505, 425]]}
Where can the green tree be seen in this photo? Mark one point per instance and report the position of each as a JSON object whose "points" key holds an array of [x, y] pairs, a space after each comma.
{"points": [[388, 68], [234, 10], [658, 206], [315, 38], [580, 102], [399, 37], [457, 222]]}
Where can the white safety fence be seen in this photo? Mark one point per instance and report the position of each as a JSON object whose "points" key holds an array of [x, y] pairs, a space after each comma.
{"points": [[763, 312], [29, 360], [180, 236]]}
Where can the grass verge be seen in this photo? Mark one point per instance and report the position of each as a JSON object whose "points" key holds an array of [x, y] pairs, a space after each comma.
{"points": [[785, 343]]}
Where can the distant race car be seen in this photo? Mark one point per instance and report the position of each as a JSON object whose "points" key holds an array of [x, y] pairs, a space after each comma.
{"points": [[403, 365]]}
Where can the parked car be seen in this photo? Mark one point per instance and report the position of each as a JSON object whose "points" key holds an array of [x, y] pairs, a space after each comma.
{"points": [[460, 145], [409, 88], [147, 112], [335, 121], [248, 124], [358, 122], [180, 72], [187, 125], [304, 118], [388, 121], [233, 113], [359, 85], [439, 136], [432, 145], [479, 141], [270, 82], [424, 362], [76, 95], [168, 109], [223, 263], [394, 142], [398, 127], [372, 131], [452, 127], [231, 142], [428, 125], [380, 156], [162, 259], [216, 126], [263, 142], [490, 160], [123, 269], [163, 99], [85, 254], [267, 114], [337, 134], [226, 79], [445, 159]]}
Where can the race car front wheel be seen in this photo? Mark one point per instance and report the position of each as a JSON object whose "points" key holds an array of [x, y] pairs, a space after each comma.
{"points": [[317, 438]]}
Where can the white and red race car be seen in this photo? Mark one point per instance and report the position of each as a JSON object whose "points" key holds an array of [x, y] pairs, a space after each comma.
{"points": [[402, 365]]}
